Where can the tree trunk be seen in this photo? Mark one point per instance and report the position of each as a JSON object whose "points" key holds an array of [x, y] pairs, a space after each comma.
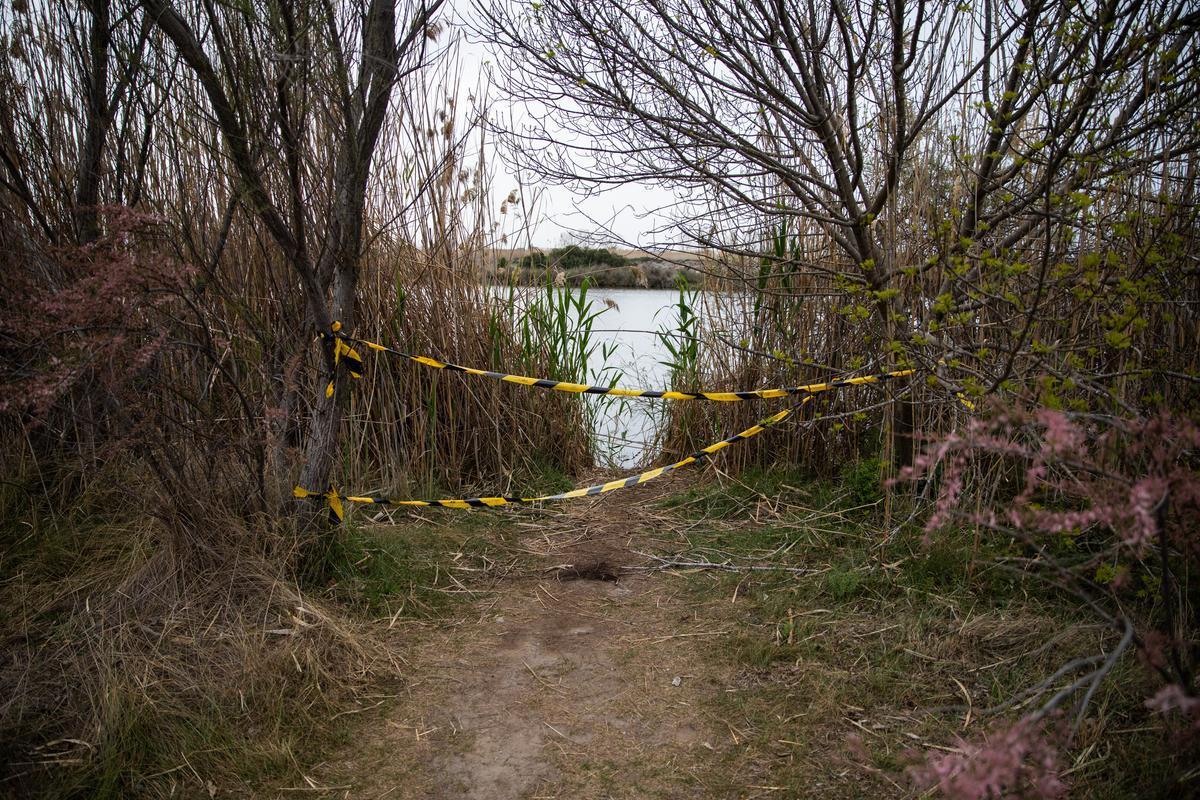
{"points": [[87, 183], [364, 108], [321, 445]]}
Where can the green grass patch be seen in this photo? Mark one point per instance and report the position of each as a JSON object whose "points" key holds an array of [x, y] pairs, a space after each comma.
{"points": [[888, 623], [856, 492], [410, 569], [842, 584], [731, 499], [541, 477], [862, 481]]}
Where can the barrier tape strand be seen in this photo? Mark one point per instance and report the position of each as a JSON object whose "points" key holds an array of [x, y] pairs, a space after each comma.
{"points": [[337, 512], [617, 391], [343, 352]]}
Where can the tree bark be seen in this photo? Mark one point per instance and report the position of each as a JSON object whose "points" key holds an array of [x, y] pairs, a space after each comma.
{"points": [[99, 118]]}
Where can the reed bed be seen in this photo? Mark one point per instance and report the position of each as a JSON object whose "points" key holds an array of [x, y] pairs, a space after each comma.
{"points": [[164, 618], [1093, 317]]}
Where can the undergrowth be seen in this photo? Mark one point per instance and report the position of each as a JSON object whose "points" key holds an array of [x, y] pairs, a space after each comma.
{"points": [[888, 643], [242, 670], [406, 571], [857, 487]]}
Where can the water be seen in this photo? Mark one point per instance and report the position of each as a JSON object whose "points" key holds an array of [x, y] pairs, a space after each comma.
{"points": [[626, 428], [627, 347]]}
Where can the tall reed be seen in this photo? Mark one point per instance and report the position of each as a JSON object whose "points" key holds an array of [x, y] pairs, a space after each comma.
{"points": [[1090, 320], [154, 388]]}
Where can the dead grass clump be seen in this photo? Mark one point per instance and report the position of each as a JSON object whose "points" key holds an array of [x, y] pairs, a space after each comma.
{"points": [[146, 658]]}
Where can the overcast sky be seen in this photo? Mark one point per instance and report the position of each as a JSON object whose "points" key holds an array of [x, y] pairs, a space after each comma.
{"points": [[556, 214]]}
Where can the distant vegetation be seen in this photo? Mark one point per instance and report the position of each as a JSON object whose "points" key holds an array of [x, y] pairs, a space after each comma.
{"points": [[572, 257], [573, 264]]}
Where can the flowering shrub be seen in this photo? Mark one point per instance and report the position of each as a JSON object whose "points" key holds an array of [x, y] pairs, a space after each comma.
{"points": [[83, 321], [1012, 759], [1122, 497], [1135, 480]]}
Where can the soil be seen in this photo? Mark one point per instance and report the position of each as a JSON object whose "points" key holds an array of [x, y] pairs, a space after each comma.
{"points": [[579, 675], [581, 668]]}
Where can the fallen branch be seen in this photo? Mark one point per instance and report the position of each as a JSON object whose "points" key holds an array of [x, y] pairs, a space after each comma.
{"points": [[663, 564]]}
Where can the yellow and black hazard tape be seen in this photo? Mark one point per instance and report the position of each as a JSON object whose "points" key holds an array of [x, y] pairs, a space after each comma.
{"points": [[333, 500], [617, 391], [343, 352], [336, 500]]}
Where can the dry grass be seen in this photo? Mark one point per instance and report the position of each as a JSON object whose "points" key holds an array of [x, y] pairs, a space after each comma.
{"points": [[885, 649]]}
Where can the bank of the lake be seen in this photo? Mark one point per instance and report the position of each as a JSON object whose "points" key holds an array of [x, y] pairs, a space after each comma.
{"points": [[602, 268]]}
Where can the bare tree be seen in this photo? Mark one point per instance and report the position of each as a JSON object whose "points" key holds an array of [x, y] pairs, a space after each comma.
{"points": [[323, 82], [939, 148]]}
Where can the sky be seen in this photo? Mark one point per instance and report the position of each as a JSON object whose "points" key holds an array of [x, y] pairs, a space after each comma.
{"points": [[555, 215]]}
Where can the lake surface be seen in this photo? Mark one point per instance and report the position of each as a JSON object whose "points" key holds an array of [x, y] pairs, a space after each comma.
{"points": [[626, 428], [630, 322]]}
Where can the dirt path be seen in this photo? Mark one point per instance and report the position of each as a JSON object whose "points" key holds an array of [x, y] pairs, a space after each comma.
{"points": [[804, 670], [574, 676]]}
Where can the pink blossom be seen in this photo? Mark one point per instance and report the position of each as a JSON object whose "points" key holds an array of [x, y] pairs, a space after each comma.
{"points": [[1061, 436], [1144, 498], [1010, 761], [1173, 697], [99, 319]]}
